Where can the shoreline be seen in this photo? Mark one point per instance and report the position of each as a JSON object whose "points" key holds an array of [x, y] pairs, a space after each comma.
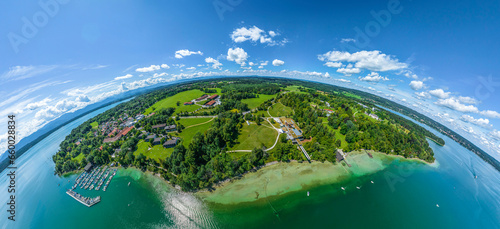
{"points": [[280, 178]]}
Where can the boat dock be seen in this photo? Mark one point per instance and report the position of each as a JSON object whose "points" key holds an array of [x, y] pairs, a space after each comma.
{"points": [[87, 201]]}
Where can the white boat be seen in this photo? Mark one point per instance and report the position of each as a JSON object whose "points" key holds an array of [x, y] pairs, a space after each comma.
{"points": [[437, 205], [372, 182], [307, 193], [358, 187], [342, 188], [128, 183]]}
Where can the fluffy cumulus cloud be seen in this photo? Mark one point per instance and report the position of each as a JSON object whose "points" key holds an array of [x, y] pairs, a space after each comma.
{"points": [[36, 105], [277, 62], [165, 66], [371, 60], [423, 94], [334, 64], [454, 104], [215, 63], [59, 108], [480, 121], [491, 114], [417, 85], [148, 69], [83, 98], [123, 77], [439, 93], [348, 71], [237, 55], [256, 35], [184, 52], [468, 100], [373, 77]]}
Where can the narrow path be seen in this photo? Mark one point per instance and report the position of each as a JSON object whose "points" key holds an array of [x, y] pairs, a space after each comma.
{"points": [[200, 123]]}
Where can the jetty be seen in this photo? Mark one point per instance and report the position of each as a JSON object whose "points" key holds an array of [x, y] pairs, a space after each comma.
{"points": [[87, 201]]}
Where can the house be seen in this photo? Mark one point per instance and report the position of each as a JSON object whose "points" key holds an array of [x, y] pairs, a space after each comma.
{"points": [[213, 97], [159, 126], [139, 117], [157, 141], [171, 128], [170, 143], [339, 154], [126, 130], [188, 103], [88, 167], [211, 103], [152, 136], [202, 97]]}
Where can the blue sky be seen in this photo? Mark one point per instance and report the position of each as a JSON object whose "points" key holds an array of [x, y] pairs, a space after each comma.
{"points": [[438, 57]]}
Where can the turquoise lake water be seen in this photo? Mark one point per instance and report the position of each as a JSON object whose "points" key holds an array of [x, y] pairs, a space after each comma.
{"points": [[405, 195]]}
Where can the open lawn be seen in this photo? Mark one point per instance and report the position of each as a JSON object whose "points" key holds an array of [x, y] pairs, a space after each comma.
{"points": [[258, 113], [255, 102], [79, 157], [94, 125], [171, 101], [278, 110], [252, 136], [295, 89], [188, 134], [338, 135], [238, 155], [156, 152], [186, 122]]}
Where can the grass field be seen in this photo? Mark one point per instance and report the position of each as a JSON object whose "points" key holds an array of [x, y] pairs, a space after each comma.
{"points": [[238, 155], [278, 110], [193, 121], [156, 152], [79, 157], [295, 89], [253, 136], [338, 135], [188, 134], [352, 95], [171, 101], [261, 112], [94, 125], [255, 102]]}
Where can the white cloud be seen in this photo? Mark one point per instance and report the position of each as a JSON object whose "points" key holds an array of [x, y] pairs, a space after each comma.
{"points": [[491, 114], [149, 69], [255, 35], [252, 63], [277, 62], [454, 104], [237, 55], [191, 68], [327, 74], [165, 66], [123, 77], [480, 121], [24, 72], [345, 40], [495, 134], [348, 71], [36, 105], [439, 93], [184, 52], [468, 100], [423, 94], [371, 60], [411, 75], [417, 85], [264, 63], [83, 98], [373, 77], [334, 64], [215, 63]]}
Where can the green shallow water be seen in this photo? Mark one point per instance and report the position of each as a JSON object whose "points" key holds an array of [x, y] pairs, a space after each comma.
{"points": [[404, 195]]}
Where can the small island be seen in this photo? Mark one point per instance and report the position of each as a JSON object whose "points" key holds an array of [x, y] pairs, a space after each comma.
{"points": [[201, 134]]}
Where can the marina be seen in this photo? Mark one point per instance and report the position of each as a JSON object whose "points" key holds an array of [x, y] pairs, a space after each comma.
{"points": [[87, 201]]}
